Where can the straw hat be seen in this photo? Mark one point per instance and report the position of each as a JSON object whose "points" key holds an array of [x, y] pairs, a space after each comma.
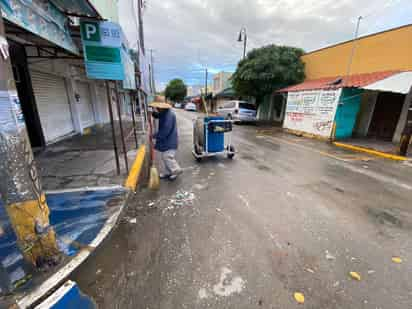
{"points": [[160, 105]]}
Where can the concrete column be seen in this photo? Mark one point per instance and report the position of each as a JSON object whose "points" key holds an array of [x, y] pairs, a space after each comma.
{"points": [[367, 108], [402, 120], [20, 186]]}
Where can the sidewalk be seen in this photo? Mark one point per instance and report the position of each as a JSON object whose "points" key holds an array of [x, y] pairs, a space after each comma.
{"points": [[87, 160], [85, 196]]}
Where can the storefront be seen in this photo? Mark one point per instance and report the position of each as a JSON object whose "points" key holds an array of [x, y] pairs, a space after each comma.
{"points": [[364, 105], [54, 103]]}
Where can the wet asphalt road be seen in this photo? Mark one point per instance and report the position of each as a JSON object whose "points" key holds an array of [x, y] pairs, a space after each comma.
{"points": [[286, 215]]}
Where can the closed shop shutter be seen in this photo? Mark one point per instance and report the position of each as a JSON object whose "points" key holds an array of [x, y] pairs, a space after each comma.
{"points": [[85, 104], [53, 105], [102, 98]]}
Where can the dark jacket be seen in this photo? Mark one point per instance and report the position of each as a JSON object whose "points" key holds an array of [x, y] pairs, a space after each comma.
{"points": [[166, 137]]}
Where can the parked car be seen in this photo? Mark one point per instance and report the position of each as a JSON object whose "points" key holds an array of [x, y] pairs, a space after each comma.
{"points": [[191, 107], [239, 111], [178, 105]]}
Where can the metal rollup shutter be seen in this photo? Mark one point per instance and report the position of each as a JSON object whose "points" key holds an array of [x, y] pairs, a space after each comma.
{"points": [[53, 105], [86, 108]]}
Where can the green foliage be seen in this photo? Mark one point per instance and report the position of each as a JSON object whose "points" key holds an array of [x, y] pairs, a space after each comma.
{"points": [[267, 69], [176, 90]]}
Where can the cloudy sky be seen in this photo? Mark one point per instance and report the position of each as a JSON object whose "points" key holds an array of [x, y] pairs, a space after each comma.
{"points": [[187, 35]]}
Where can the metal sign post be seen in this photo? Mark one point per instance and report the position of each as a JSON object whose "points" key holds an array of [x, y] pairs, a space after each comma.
{"points": [[133, 106], [121, 127], [116, 152]]}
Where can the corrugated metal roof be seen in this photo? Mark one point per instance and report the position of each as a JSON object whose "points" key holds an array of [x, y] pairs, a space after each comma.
{"points": [[335, 82], [398, 83]]}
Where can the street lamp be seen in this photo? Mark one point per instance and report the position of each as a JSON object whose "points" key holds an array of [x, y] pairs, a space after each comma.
{"points": [[243, 38]]}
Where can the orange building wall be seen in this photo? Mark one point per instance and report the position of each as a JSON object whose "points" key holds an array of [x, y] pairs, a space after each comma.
{"points": [[390, 50]]}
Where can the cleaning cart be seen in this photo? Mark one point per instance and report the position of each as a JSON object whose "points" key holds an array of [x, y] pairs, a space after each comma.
{"points": [[209, 137]]}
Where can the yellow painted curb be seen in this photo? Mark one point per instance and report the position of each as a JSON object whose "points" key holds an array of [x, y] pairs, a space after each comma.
{"points": [[87, 131], [133, 178], [371, 151]]}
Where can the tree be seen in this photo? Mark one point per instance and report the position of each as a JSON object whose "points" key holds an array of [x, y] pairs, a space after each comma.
{"points": [[267, 69], [176, 90]]}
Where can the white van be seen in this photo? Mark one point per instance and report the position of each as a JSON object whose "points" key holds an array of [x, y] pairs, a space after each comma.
{"points": [[241, 111]]}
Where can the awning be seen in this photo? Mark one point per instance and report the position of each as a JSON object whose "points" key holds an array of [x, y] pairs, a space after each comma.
{"points": [[398, 83], [79, 8], [226, 93]]}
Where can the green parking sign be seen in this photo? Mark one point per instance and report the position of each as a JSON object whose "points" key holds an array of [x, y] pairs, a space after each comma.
{"points": [[90, 31], [105, 52]]}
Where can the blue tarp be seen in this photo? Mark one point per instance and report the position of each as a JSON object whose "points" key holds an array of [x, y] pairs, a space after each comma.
{"points": [[77, 218]]}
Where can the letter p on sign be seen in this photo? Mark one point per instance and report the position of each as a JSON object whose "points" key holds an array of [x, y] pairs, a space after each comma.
{"points": [[90, 31]]}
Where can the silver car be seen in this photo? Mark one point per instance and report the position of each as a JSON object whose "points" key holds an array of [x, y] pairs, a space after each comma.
{"points": [[191, 107], [239, 111]]}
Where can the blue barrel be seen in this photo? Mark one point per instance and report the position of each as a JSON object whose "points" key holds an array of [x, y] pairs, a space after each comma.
{"points": [[215, 141]]}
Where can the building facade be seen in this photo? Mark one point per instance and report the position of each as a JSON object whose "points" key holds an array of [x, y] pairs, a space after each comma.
{"points": [[221, 81], [369, 102], [193, 90], [384, 51], [108, 9], [57, 98]]}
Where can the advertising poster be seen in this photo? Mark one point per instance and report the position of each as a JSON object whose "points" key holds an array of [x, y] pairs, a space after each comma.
{"points": [[312, 111]]}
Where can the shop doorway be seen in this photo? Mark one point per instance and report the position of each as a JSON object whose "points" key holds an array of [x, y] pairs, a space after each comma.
{"points": [[386, 115]]}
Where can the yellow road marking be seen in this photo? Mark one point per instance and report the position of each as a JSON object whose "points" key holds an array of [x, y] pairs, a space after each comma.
{"points": [[371, 151]]}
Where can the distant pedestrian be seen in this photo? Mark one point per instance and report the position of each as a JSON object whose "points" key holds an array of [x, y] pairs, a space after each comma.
{"points": [[166, 140]]}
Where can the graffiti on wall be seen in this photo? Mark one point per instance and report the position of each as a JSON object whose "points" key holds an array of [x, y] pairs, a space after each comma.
{"points": [[312, 111]]}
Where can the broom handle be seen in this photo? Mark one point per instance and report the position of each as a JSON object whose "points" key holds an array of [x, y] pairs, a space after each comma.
{"points": [[152, 155]]}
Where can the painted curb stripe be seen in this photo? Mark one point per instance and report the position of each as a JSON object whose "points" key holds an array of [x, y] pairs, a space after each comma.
{"points": [[371, 151], [133, 178]]}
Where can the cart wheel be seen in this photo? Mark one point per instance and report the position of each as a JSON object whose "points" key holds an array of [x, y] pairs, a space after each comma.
{"points": [[231, 149], [198, 152]]}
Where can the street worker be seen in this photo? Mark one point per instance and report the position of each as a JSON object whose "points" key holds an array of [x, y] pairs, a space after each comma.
{"points": [[166, 141]]}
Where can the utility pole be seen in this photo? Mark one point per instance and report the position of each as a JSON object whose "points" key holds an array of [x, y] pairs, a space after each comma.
{"points": [[355, 40], [140, 17], [206, 76], [152, 80], [20, 187]]}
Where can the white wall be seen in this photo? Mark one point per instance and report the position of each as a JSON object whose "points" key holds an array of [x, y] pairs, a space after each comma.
{"points": [[312, 111]]}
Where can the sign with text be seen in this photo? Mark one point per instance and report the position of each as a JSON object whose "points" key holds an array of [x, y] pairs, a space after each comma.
{"points": [[105, 52], [312, 111], [41, 18]]}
